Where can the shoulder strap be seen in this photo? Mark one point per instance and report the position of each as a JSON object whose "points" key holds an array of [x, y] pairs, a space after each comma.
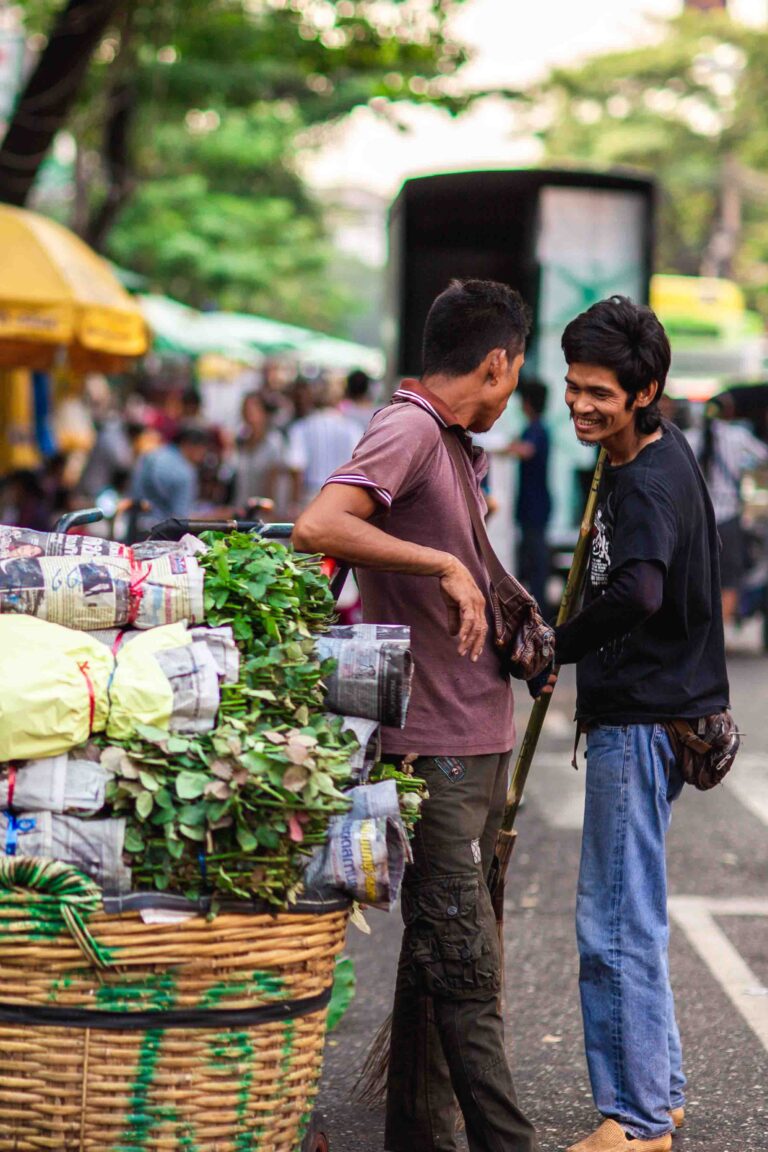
{"points": [[496, 569]]}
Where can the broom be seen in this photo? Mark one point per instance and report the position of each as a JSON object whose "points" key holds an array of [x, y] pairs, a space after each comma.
{"points": [[371, 1086]]}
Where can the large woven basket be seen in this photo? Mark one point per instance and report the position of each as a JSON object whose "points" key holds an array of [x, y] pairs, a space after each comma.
{"points": [[119, 1036]]}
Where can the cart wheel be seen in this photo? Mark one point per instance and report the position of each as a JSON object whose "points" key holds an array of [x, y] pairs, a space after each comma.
{"points": [[315, 1139]]}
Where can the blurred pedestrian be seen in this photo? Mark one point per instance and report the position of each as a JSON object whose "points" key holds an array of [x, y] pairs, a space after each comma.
{"points": [[649, 648], [396, 509], [317, 444], [166, 478], [259, 454], [726, 451], [534, 503], [357, 404]]}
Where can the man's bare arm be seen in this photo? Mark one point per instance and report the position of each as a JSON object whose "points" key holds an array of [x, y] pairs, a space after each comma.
{"points": [[337, 524]]}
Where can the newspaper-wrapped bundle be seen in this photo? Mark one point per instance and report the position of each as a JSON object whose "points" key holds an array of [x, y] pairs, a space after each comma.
{"points": [[28, 543], [220, 642], [368, 752], [373, 671], [367, 848], [189, 545], [59, 686], [65, 783], [102, 592], [92, 846]]}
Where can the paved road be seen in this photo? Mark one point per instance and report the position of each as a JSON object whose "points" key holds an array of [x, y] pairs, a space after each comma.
{"points": [[718, 864]]}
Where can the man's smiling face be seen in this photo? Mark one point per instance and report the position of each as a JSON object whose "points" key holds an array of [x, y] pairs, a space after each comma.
{"points": [[600, 408]]}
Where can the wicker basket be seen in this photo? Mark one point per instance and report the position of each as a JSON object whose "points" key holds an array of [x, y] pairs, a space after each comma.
{"points": [[118, 1036]]}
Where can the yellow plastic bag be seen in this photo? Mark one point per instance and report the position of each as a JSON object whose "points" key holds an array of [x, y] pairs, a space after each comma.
{"points": [[140, 691], [53, 687]]}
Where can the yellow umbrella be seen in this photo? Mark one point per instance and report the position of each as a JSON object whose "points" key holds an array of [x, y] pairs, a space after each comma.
{"points": [[59, 301]]}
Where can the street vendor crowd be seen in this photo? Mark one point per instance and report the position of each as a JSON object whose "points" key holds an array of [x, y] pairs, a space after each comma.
{"points": [[147, 452]]}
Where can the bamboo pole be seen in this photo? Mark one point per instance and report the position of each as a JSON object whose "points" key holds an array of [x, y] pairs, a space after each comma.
{"points": [[505, 841]]}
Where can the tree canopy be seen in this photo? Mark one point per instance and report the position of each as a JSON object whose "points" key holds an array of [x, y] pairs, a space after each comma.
{"points": [[189, 121], [689, 109]]}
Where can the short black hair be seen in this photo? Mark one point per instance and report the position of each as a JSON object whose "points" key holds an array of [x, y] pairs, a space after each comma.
{"points": [[358, 383], [534, 393], [630, 340], [467, 321]]}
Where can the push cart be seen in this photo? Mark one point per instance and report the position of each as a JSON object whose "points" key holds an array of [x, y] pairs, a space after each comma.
{"points": [[181, 1034]]}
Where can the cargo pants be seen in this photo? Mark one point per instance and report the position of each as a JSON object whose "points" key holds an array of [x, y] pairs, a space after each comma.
{"points": [[447, 1030]]}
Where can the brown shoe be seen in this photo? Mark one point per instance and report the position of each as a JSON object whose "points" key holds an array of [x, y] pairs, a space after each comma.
{"points": [[611, 1137], [678, 1116]]}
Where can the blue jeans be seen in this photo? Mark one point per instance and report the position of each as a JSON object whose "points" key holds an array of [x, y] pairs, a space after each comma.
{"points": [[631, 1037]]}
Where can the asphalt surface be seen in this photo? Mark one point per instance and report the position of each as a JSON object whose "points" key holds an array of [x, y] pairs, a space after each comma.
{"points": [[718, 868]]}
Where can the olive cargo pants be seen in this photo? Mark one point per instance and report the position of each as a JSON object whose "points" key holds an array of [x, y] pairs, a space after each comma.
{"points": [[447, 1031]]}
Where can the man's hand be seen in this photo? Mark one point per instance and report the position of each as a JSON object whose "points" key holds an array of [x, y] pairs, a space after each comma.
{"points": [[466, 608], [543, 684]]}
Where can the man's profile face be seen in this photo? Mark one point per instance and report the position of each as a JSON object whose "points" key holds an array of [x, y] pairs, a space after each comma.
{"points": [[597, 403], [496, 395]]}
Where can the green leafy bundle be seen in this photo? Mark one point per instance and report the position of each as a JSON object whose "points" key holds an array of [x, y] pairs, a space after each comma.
{"points": [[235, 810]]}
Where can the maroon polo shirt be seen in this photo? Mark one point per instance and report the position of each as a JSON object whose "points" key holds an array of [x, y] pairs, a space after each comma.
{"points": [[457, 707]]}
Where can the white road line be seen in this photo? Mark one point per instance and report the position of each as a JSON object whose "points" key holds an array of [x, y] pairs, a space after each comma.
{"points": [[696, 916], [558, 791], [748, 781]]}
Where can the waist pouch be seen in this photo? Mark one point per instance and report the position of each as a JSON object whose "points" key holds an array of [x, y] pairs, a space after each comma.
{"points": [[705, 748]]}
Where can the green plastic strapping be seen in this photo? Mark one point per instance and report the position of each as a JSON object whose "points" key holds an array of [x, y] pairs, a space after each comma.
{"points": [[73, 897]]}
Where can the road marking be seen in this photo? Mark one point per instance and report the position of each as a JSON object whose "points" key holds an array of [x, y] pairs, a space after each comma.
{"points": [[560, 799], [696, 916], [748, 781]]}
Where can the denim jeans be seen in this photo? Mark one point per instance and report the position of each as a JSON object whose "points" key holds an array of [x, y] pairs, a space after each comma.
{"points": [[631, 1037]]}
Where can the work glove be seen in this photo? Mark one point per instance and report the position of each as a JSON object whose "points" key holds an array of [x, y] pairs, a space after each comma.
{"points": [[536, 684]]}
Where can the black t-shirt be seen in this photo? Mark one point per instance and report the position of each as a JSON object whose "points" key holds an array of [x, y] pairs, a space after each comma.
{"points": [[657, 509]]}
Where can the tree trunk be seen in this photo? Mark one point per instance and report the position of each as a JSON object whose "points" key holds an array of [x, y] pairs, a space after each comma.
{"points": [[50, 91], [117, 162]]}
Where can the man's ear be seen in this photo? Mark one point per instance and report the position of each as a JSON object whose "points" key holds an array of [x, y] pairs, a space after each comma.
{"points": [[496, 363], [647, 395]]}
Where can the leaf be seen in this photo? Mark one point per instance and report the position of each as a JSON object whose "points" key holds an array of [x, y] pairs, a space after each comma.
{"points": [[192, 814], [356, 917], [128, 768], [296, 751], [190, 785], [219, 789], [295, 829], [134, 841], [221, 769], [302, 715], [192, 833], [176, 745], [246, 839], [151, 732], [150, 782], [144, 804], [111, 758], [275, 737], [175, 849], [295, 777]]}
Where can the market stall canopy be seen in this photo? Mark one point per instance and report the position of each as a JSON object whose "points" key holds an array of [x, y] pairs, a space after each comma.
{"points": [[59, 301], [308, 348], [240, 336], [184, 331]]}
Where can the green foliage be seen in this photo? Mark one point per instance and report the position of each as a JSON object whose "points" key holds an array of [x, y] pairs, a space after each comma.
{"points": [[218, 98], [235, 811], [688, 110]]}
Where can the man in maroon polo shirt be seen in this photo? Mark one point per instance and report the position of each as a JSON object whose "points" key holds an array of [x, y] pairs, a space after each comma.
{"points": [[397, 512]]}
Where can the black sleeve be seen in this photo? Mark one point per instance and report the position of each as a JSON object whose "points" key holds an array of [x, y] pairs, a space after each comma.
{"points": [[633, 594]]}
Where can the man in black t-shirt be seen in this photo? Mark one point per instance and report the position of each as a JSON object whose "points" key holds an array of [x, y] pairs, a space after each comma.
{"points": [[649, 646]]}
